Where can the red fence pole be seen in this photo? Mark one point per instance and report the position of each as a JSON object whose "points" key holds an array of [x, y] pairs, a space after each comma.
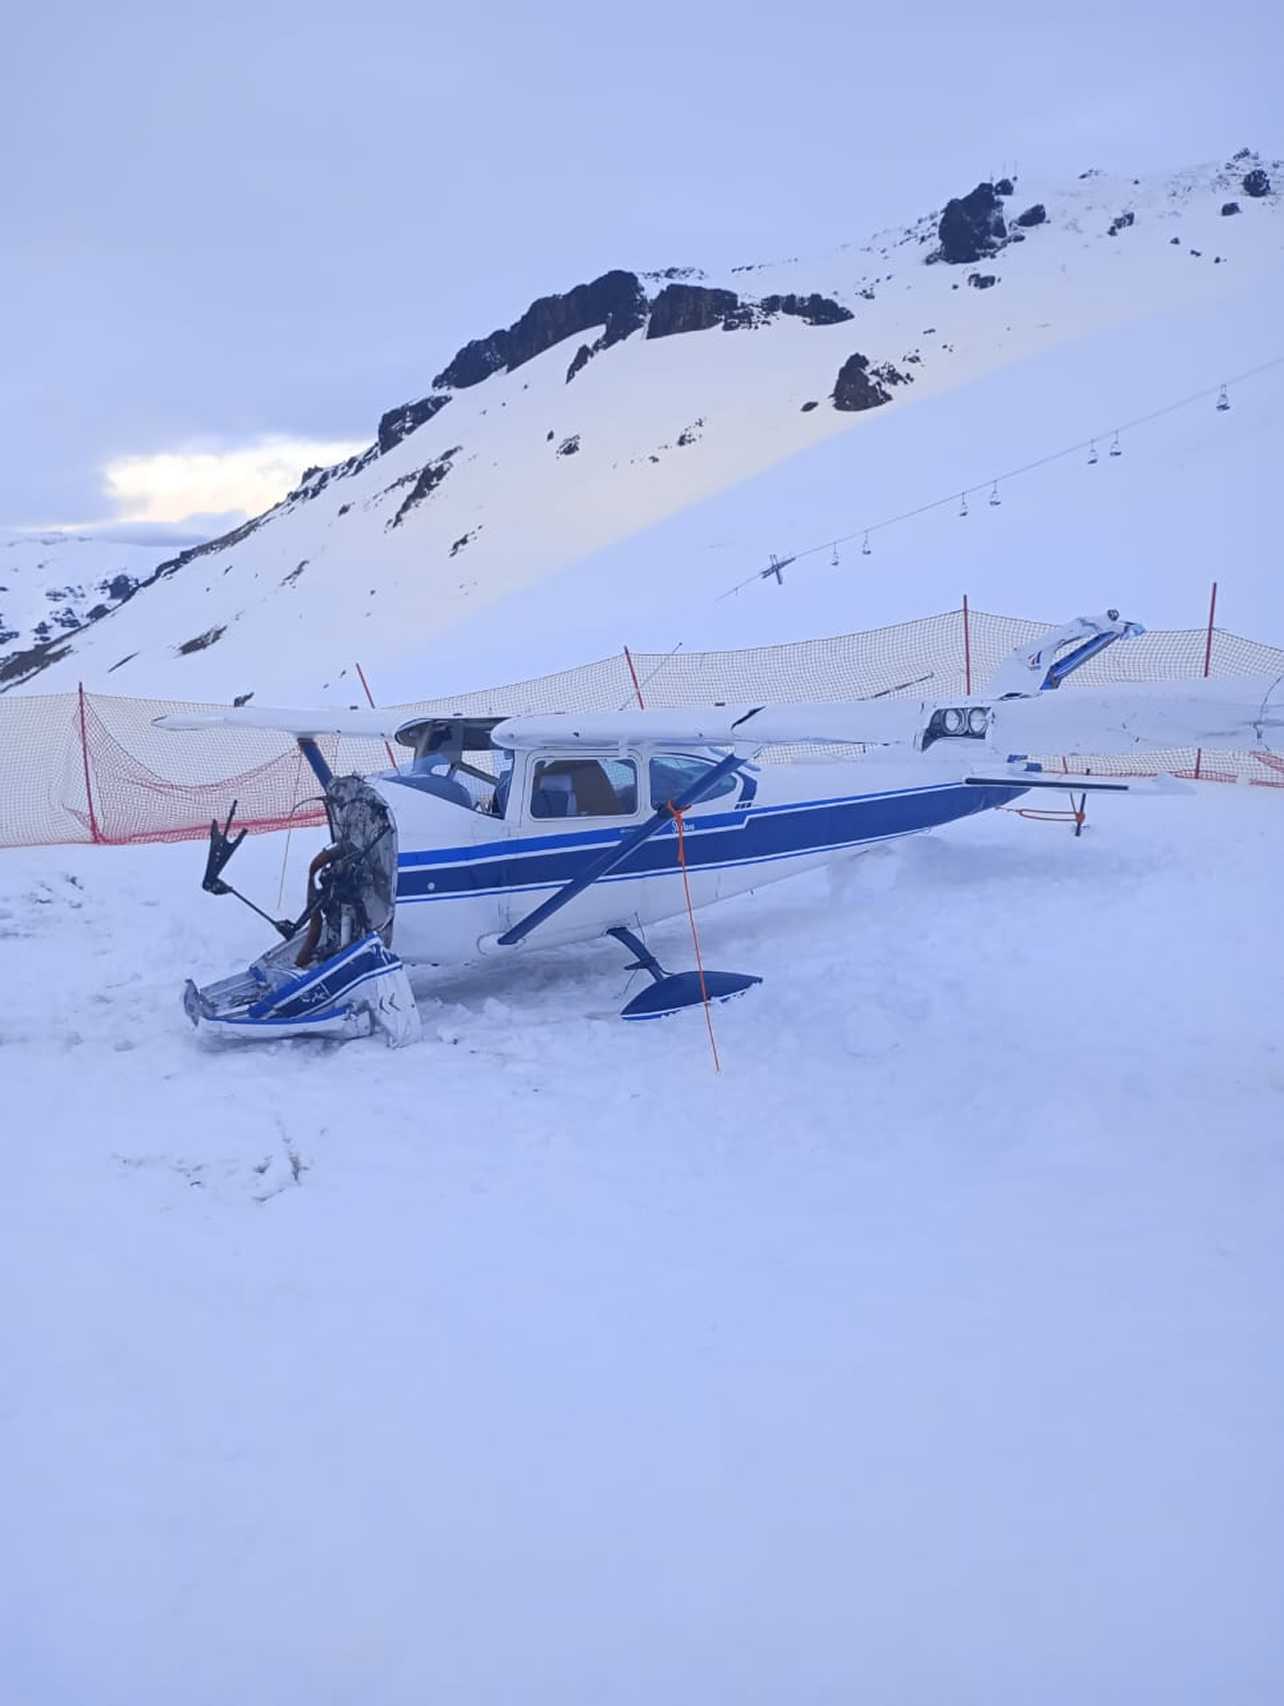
{"points": [[967, 648], [628, 658], [1208, 660], [94, 836]]}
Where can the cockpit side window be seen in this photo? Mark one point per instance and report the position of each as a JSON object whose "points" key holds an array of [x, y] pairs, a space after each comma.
{"points": [[672, 772], [584, 787]]}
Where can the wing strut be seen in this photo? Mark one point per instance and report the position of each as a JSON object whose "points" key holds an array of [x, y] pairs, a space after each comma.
{"points": [[616, 855]]}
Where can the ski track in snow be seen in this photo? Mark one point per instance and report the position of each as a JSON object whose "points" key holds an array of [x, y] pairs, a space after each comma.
{"points": [[931, 1352]]}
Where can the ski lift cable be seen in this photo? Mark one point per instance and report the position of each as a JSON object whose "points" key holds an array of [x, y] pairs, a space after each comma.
{"points": [[957, 496]]}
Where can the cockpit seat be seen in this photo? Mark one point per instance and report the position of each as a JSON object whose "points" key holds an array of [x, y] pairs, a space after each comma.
{"points": [[439, 782], [555, 797]]}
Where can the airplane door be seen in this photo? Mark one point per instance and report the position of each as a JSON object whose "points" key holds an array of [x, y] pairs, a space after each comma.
{"points": [[565, 811]]}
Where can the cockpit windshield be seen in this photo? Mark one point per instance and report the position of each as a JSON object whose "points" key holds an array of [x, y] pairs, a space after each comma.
{"points": [[455, 761]]}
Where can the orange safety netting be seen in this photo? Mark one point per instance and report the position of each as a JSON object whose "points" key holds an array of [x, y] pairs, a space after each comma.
{"points": [[90, 767]]}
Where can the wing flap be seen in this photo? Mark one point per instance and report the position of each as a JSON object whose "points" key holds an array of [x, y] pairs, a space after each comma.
{"points": [[1068, 782]]}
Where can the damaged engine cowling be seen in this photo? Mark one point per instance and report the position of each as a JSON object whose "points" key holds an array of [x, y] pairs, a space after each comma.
{"points": [[335, 974], [357, 876]]}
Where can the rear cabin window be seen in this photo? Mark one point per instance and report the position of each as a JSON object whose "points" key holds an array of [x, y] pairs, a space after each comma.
{"points": [[584, 787], [670, 775]]}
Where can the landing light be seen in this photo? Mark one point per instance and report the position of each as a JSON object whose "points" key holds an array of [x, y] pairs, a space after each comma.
{"points": [[952, 722], [978, 720]]}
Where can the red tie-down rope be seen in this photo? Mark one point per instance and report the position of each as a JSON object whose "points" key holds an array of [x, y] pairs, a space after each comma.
{"points": [[1077, 815], [677, 815]]}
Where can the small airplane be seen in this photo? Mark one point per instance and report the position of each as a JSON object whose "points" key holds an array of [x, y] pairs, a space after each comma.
{"points": [[597, 825]]}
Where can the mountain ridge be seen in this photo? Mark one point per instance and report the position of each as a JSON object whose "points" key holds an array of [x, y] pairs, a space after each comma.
{"points": [[668, 372]]}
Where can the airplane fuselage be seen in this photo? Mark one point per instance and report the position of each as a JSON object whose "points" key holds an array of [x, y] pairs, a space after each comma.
{"points": [[467, 876]]}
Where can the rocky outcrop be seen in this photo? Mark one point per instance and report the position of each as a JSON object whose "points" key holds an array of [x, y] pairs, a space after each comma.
{"points": [[580, 360], [859, 386], [312, 483], [1035, 215], [1256, 183], [816, 310], [427, 480], [982, 280], [972, 226], [1121, 223], [201, 641], [569, 446], [400, 423], [1229, 207], [1004, 186], [689, 308], [615, 301]]}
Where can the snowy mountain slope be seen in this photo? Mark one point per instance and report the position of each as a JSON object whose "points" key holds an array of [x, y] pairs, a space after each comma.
{"points": [[52, 584], [501, 476], [930, 1353], [1190, 499]]}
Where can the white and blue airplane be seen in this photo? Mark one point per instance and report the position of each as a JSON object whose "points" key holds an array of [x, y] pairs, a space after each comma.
{"points": [[578, 826]]}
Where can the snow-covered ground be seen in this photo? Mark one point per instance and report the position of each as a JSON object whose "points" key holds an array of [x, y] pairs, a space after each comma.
{"points": [[51, 584], [934, 1351]]}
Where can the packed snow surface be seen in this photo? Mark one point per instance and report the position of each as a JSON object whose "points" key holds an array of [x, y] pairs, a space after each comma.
{"points": [[931, 1352]]}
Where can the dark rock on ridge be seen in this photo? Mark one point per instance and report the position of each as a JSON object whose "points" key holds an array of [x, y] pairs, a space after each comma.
{"points": [[689, 308], [1035, 215], [616, 301], [1229, 207], [816, 310], [400, 423], [972, 226], [1256, 183]]}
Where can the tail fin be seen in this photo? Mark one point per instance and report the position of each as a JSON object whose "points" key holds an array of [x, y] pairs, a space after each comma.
{"points": [[1038, 669]]}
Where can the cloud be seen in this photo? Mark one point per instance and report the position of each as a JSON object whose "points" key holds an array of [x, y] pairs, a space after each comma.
{"points": [[173, 486], [191, 530]]}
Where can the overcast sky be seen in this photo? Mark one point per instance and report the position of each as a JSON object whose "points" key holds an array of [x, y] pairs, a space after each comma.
{"points": [[244, 232]]}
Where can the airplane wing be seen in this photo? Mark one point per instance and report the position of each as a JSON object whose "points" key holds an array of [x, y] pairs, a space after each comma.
{"points": [[302, 724], [1228, 714], [885, 722], [1238, 714]]}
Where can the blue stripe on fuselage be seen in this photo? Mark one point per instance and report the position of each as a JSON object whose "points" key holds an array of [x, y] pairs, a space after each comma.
{"points": [[768, 833]]}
